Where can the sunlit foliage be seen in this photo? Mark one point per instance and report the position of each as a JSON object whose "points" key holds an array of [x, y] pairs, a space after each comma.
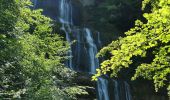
{"points": [[151, 37]]}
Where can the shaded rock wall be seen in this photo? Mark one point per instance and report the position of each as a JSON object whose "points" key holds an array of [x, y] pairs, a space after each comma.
{"points": [[87, 2]]}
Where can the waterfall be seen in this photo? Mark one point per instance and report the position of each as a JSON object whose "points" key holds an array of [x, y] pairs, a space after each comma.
{"points": [[127, 90], [109, 89], [65, 13], [65, 18], [92, 51], [116, 90], [83, 52], [102, 86]]}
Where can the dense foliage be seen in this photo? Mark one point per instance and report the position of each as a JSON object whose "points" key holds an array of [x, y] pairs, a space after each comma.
{"points": [[32, 56], [9, 13], [149, 40]]}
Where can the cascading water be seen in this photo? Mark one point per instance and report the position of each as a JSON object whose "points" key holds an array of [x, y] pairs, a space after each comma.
{"points": [[109, 89], [102, 86], [127, 89], [65, 18], [92, 51], [65, 13], [116, 90], [83, 52]]}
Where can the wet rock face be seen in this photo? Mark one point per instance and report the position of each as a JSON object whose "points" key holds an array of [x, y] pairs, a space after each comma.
{"points": [[49, 7], [144, 90], [84, 79], [77, 12], [87, 2]]}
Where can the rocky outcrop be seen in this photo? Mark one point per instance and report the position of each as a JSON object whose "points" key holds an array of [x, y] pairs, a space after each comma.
{"points": [[84, 79]]}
